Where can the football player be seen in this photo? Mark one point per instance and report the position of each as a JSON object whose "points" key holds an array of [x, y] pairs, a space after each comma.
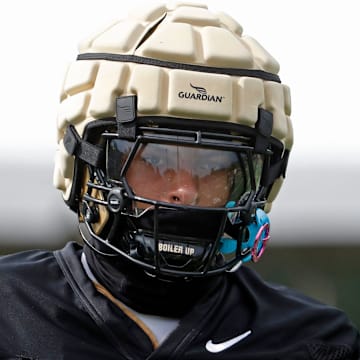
{"points": [[174, 134]]}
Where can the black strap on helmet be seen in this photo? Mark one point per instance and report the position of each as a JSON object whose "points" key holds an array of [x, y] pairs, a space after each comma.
{"points": [[276, 170], [260, 74], [90, 153], [126, 107], [264, 126]]}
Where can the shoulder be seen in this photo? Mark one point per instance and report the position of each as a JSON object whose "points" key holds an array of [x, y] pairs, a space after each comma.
{"points": [[279, 299], [31, 268], [31, 283], [39, 301], [34, 260], [25, 262], [273, 295], [292, 318]]}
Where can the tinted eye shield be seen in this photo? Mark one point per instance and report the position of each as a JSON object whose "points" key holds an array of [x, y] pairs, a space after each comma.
{"points": [[212, 147]]}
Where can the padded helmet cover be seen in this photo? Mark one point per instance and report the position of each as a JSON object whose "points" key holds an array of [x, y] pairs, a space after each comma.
{"points": [[206, 43]]}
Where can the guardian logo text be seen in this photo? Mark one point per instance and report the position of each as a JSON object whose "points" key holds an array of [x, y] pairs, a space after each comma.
{"points": [[200, 94]]}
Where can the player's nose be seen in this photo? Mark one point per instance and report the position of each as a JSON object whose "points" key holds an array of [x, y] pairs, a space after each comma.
{"points": [[183, 189]]}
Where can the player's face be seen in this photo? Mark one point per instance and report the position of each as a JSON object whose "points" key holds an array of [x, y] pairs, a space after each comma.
{"points": [[182, 175]]}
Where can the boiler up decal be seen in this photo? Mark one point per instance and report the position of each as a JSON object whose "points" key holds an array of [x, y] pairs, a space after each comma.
{"points": [[174, 248]]}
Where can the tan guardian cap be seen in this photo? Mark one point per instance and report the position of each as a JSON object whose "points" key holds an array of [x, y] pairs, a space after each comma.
{"points": [[180, 61]]}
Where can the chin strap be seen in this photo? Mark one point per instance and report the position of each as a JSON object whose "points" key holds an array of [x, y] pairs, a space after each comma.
{"points": [[257, 238]]}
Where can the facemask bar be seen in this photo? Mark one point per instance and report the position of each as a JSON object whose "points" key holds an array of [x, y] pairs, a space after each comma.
{"points": [[156, 266]]}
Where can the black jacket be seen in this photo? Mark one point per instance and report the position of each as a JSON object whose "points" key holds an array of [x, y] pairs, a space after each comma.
{"points": [[49, 309]]}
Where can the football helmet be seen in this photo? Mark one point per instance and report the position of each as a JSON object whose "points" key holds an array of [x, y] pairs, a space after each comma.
{"points": [[174, 133]]}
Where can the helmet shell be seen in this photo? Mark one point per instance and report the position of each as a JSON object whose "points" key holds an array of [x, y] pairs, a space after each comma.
{"points": [[186, 33]]}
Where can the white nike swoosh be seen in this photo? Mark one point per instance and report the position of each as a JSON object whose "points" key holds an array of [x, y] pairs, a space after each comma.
{"points": [[215, 348]]}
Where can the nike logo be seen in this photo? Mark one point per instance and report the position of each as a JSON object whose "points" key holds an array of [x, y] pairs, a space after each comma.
{"points": [[215, 348]]}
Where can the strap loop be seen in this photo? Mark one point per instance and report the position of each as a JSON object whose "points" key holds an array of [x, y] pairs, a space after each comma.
{"points": [[90, 153], [126, 111]]}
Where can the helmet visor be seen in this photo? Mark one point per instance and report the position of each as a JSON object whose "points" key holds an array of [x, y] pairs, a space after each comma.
{"points": [[183, 174]]}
